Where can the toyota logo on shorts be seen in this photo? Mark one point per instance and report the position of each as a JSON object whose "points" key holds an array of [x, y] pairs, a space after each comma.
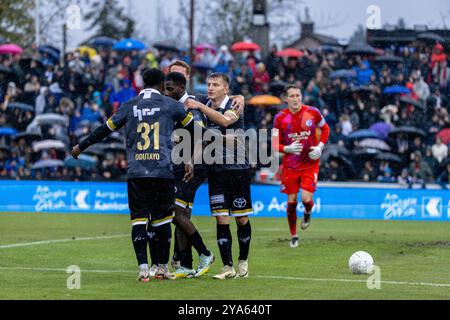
{"points": [[240, 203]]}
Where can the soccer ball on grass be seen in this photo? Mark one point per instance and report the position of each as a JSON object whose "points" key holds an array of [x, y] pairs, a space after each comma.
{"points": [[361, 263]]}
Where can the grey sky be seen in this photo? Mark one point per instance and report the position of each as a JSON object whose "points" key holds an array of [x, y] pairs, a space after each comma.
{"points": [[347, 13]]}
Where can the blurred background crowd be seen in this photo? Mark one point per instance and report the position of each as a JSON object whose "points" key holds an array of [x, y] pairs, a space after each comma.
{"points": [[388, 109]]}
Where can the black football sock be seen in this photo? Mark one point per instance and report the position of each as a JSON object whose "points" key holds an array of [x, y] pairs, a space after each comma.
{"points": [[152, 244], [176, 247], [198, 244], [224, 241], [244, 234], [164, 235], [139, 238]]}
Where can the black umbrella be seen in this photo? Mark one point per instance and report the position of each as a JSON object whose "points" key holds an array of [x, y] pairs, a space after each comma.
{"points": [[25, 64], [21, 106], [408, 130], [363, 49], [387, 156], [389, 59], [431, 37], [102, 41], [409, 100], [361, 89], [5, 70], [166, 46], [365, 153], [29, 137], [334, 150], [5, 148]]}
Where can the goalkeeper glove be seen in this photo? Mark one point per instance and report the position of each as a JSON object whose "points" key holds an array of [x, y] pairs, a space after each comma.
{"points": [[294, 148], [316, 152]]}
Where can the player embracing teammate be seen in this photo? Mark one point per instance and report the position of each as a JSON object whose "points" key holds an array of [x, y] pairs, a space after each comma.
{"points": [[300, 132]]}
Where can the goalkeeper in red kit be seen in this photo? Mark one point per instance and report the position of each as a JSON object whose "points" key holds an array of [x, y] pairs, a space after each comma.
{"points": [[296, 134]]}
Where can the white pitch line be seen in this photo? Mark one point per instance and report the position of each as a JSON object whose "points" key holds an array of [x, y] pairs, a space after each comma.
{"points": [[27, 244], [254, 276]]}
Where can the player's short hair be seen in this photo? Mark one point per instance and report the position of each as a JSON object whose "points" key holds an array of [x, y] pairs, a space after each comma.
{"points": [[220, 75], [180, 63], [289, 87], [153, 77], [177, 78]]}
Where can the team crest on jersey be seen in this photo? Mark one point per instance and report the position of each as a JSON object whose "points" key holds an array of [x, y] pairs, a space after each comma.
{"points": [[309, 123]]}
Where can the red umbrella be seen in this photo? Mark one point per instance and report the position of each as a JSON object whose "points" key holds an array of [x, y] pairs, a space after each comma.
{"points": [[205, 46], [10, 49], [245, 46], [291, 53], [444, 135]]}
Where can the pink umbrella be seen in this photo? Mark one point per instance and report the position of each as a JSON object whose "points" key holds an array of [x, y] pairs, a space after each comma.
{"points": [[10, 49], [204, 46]]}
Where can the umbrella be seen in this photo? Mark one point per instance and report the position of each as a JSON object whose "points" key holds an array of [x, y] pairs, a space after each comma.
{"points": [[396, 90], [365, 152], [382, 128], [10, 49], [444, 135], [265, 100], [408, 130], [290, 53], [128, 45], [334, 150], [201, 66], [51, 52], [409, 100], [114, 147], [361, 89], [47, 164], [245, 46], [205, 46], [83, 161], [328, 48], [386, 156], [48, 144], [277, 85], [26, 64], [21, 106], [28, 136], [342, 73], [429, 36], [5, 70], [364, 134], [371, 143], [363, 49], [5, 148], [166, 46], [8, 132], [91, 52], [50, 118], [388, 59], [102, 42], [95, 150]]}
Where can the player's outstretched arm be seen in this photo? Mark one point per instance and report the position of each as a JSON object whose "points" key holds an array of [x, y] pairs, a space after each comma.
{"points": [[98, 135], [224, 120]]}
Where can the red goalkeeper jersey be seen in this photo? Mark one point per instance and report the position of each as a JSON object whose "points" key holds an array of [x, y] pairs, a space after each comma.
{"points": [[302, 127]]}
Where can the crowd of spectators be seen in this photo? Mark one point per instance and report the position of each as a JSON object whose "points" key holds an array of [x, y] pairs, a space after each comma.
{"points": [[85, 90]]}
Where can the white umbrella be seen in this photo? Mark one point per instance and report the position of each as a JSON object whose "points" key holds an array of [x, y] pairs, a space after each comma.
{"points": [[48, 144]]}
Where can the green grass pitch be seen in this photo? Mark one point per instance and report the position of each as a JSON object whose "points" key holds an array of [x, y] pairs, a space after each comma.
{"points": [[413, 256]]}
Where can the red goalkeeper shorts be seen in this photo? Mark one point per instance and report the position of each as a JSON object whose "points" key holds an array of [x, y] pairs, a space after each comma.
{"points": [[294, 180]]}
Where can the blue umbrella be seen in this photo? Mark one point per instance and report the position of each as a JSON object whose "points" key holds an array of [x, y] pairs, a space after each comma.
{"points": [[42, 164], [102, 42], [364, 134], [52, 53], [396, 90], [129, 44], [382, 128], [8, 132], [83, 161], [201, 66], [342, 73]]}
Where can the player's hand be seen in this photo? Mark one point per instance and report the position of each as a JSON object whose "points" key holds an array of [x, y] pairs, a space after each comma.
{"points": [[316, 152], [189, 172], [192, 104], [76, 151], [294, 148], [238, 104]]}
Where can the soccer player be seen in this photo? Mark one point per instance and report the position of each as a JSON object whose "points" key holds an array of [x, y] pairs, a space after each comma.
{"points": [[175, 87], [149, 121], [295, 136], [238, 103], [229, 178]]}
